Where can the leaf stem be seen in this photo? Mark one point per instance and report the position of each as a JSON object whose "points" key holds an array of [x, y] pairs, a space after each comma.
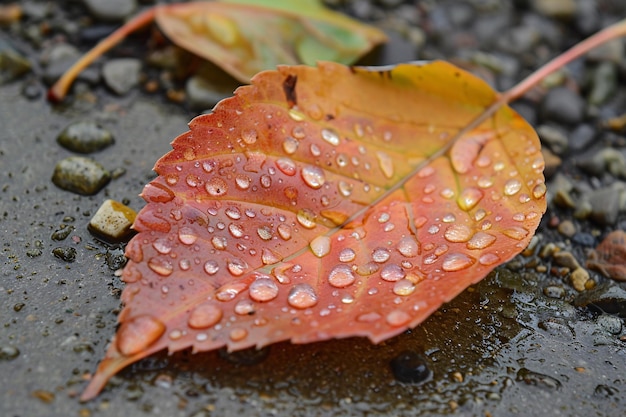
{"points": [[59, 90], [612, 32]]}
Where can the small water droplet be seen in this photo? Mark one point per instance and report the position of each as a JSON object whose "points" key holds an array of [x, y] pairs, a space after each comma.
{"points": [[320, 246], [480, 240], [404, 287], [298, 132], [184, 264], [485, 182], [290, 145], [368, 317], [137, 333], [302, 296], [286, 166], [161, 266], [235, 230], [441, 249], [392, 273], [427, 171], [449, 218], [538, 164], [397, 318], [380, 255], [429, 188], [488, 259], [237, 334], [263, 289], [264, 232], [433, 230], [268, 257], [219, 242], [383, 217], [315, 150], [517, 233], [165, 289], [457, 233], [162, 246], [347, 299], [512, 187], [498, 166], [368, 269], [345, 189], [236, 267], [468, 198], [266, 181], [519, 217], [249, 136], [233, 213], [342, 160], [330, 136], [211, 267], [204, 316], [408, 247], [341, 276], [385, 163], [244, 307], [284, 231], [192, 180], [175, 334], [447, 193], [539, 190], [456, 262], [480, 214], [347, 255], [296, 115], [229, 291], [208, 166], [313, 176], [216, 187], [171, 179], [242, 181], [306, 218], [187, 236]]}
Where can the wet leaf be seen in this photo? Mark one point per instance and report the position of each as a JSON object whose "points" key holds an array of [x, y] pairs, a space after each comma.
{"points": [[244, 37], [609, 258], [323, 203]]}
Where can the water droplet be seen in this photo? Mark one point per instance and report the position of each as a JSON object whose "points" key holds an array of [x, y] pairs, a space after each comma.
{"points": [[306, 218], [342, 160], [290, 145], [408, 247], [162, 246], [161, 266], [512, 187], [449, 218], [517, 233], [175, 334], [244, 307], [229, 291], [249, 136], [347, 255], [192, 180], [485, 182], [441, 249], [481, 240], [368, 317], [204, 316], [313, 176], [498, 166], [238, 334], [380, 255], [367, 269], [392, 273], [519, 217], [284, 231], [330, 136], [456, 262], [184, 264], [385, 163], [447, 193], [263, 289], [320, 246], [187, 236], [264, 232], [208, 166], [341, 276], [233, 213], [296, 115], [302, 296], [538, 164], [404, 287], [266, 181], [268, 257], [397, 318], [345, 189], [347, 299], [429, 188], [433, 230], [427, 171], [235, 230], [242, 181], [468, 198], [219, 242], [286, 166], [488, 259], [136, 334], [458, 233], [211, 267], [298, 132], [539, 190], [480, 214], [524, 198], [236, 267], [216, 187], [171, 179]]}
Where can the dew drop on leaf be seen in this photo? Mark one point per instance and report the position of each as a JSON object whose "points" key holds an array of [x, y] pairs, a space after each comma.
{"points": [[211, 267], [456, 262], [341, 276], [313, 176], [161, 266], [381, 255], [458, 233], [263, 289], [306, 218], [347, 255], [204, 316], [302, 296], [330, 136], [320, 246], [511, 187], [469, 197], [216, 187], [187, 236], [138, 333], [481, 240]]}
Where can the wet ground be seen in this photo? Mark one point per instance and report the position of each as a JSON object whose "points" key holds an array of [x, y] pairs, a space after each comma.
{"points": [[519, 343]]}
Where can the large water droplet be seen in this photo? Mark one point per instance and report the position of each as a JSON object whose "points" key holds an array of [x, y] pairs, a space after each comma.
{"points": [[341, 276], [235, 230], [488, 259], [204, 316], [458, 233], [408, 247], [162, 246], [290, 145], [385, 163], [211, 267], [302, 296], [242, 181], [456, 262], [347, 255], [284, 231], [512, 187], [397, 318], [249, 136], [286, 166], [313, 176], [244, 307], [539, 190], [236, 266], [345, 189], [264, 232], [237, 334], [517, 233], [469, 197], [380, 255], [263, 289], [160, 266], [306, 218], [187, 236], [392, 273], [216, 187], [233, 213], [404, 287], [481, 240], [219, 242], [266, 181], [330, 136], [136, 334], [320, 246]]}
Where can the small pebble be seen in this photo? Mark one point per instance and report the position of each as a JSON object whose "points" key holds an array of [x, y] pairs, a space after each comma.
{"points": [[8, 353], [605, 204], [12, 64], [554, 291], [563, 105], [410, 367], [112, 221], [566, 259], [603, 83], [67, 254], [581, 137], [554, 137], [111, 10], [80, 175], [611, 324], [579, 278], [85, 137], [121, 75], [567, 228]]}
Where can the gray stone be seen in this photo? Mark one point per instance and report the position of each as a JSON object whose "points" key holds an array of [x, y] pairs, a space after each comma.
{"points": [[603, 83], [111, 10], [611, 324], [563, 105], [85, 137], [80, 175], [121, 75], [12, 64], [605, 204], [561, 9], [554, 137], [581, 137]]}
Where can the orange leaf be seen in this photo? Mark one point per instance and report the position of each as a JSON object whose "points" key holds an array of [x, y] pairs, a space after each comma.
{"points": [[323, 203]]}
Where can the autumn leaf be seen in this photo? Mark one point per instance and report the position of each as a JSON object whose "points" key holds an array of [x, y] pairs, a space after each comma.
{"points": [[244, 37], [323, 203]]}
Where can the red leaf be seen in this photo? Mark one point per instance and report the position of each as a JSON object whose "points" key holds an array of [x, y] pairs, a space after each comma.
{"points": [[323, 203]]}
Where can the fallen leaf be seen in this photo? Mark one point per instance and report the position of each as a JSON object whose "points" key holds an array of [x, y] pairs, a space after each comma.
{"points": [[324, 203], [609, 258], [244, 37]]}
